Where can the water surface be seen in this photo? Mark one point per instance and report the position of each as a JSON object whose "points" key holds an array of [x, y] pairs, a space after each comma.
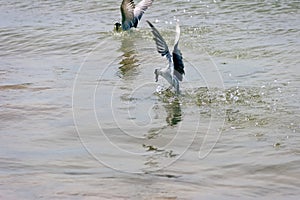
{"points": [[80, 118]]}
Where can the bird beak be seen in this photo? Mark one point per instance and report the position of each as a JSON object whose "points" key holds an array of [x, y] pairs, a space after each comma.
{"points": [[156, 75]]}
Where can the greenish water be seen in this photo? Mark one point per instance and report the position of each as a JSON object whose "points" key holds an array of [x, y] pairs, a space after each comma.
{"points": [[81, 119]]}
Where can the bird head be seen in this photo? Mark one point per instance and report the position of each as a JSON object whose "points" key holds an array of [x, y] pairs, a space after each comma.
{"points": [[118, 26]]}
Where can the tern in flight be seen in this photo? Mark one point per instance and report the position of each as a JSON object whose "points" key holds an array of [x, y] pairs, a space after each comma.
{"points": [[174, 72], [132, 14]]}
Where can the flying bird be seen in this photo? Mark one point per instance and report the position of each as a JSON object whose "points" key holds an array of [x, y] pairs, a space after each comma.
{"points": [[174, 72], [132, 14]]}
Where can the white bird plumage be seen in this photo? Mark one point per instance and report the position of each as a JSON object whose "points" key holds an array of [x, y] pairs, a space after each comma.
{"points": [[174, 72]]}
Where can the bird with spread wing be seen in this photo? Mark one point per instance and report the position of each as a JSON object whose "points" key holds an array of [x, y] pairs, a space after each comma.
{"points": [[132, 14], [174, 72]]}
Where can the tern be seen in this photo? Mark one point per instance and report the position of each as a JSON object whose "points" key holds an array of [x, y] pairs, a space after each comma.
{"points": [[132, 14], [174, 72]]}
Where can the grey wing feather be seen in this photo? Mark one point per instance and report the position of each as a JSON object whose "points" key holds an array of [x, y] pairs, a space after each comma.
{"points": [[141, 7], [177, 57], [161, 44], [127, 11]]}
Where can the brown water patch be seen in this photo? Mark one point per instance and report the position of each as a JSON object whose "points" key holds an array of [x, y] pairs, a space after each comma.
{"points": [[22, 86]]}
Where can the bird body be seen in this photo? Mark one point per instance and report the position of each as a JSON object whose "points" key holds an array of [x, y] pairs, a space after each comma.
{"points": [[174, 72], [132, 14], [167, 74]]}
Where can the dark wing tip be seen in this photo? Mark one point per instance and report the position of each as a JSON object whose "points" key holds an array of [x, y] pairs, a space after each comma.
{"points": [[178, 64], [150, 24]]}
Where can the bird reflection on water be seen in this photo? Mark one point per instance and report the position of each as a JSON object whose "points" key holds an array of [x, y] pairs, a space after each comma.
{"points": [[154, 142], [173, 113], [129, 63]]}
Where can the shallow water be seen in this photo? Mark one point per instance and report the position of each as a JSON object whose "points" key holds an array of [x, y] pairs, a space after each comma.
{"points": [[81, 118]]}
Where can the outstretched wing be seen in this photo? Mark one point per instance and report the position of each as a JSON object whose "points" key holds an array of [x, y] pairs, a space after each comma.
{"points": [[161, 44], [177, 57], [131, 14], [127, 11], [141, 8]]}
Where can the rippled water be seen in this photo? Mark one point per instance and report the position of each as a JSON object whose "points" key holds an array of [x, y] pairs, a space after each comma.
{"points": [[80, 118]]}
